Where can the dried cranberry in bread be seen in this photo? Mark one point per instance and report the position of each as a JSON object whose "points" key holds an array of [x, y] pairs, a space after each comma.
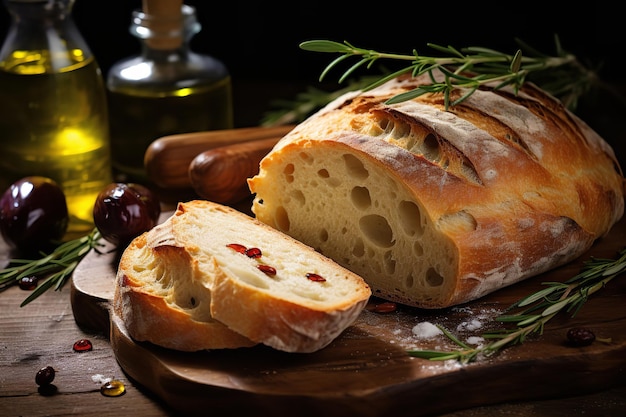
{"points": [[210, 265], [435, 208]]}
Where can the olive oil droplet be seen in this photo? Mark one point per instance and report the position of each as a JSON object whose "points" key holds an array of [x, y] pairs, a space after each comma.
{"points": [[113, 388]]}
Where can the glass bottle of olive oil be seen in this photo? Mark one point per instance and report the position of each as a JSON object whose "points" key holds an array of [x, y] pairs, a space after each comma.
{"points": [[166, 89], [53, 112]]}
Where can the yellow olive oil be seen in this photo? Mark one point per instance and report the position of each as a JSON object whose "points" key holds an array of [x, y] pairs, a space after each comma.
{"points": [[139, 114], [54, 123]]}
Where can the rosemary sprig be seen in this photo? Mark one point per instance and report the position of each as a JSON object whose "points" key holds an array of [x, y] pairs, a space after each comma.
{"points": [[468, 68], [55, 267], [536, 310]]}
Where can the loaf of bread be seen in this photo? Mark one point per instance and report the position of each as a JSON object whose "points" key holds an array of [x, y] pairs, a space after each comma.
{"points": [[211, 277], [436, 207]]}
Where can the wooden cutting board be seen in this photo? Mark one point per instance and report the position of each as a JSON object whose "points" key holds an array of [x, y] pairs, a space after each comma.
{"points": [[367, 371]]}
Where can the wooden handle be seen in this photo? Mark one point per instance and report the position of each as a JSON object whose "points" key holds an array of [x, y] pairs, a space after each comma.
{"points": [[221, 174], [167, 159]]}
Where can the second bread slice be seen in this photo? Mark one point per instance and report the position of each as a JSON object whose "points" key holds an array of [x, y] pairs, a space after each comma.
{"points": [[258, 282]]}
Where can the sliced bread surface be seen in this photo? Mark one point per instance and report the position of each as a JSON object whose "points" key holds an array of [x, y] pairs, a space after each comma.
{"points": [[219, 266]]}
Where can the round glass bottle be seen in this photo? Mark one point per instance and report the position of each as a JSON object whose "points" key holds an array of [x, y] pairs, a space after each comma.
{"points": [[53, 111], [167, 89]]}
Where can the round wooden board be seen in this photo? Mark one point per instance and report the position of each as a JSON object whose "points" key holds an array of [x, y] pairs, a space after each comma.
{"points": [[367, 370]]}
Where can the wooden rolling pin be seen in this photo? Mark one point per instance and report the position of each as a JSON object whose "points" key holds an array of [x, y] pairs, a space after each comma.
{"points": [[221, 174], [167, 159]]}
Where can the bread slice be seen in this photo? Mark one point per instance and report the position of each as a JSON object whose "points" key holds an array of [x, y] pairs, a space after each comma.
{"points": [[212, 277], [436, 207]]}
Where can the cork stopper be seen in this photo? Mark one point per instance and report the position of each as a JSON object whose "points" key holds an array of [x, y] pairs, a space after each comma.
{"points": [[164, 18]]}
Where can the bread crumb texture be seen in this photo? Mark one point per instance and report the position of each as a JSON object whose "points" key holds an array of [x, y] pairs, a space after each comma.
{"points": [[436, 207]]}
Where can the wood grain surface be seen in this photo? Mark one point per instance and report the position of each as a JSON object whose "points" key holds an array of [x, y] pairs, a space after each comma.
{"points": [[367, 371]]}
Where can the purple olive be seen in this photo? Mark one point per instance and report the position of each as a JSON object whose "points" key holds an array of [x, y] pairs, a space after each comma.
{"points": [[123, 211], [33, 214], [580, 336]]}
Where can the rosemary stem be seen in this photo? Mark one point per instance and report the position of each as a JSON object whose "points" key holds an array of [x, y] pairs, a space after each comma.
{"points": [[54, 268]]}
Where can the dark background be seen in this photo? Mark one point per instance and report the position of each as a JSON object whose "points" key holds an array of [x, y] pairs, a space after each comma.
{"points": [[259, 41]]}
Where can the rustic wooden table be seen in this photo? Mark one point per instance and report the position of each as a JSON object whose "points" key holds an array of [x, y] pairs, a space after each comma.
{"points": [[43, 333]]}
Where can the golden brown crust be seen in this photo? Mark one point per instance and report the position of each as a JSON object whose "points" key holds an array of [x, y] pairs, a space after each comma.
{"points": [[507, 185]]}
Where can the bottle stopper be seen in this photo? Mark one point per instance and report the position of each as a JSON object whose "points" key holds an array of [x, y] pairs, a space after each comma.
{"points": [[164, 19]]}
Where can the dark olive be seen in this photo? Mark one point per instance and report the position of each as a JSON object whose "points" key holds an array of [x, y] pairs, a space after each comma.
{"points": [[123, 211], [45, 376], [33, 214], [579, 336]]}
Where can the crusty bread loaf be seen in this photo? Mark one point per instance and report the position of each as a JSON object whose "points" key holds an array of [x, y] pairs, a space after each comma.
{"points": [[211, 277], [435, 208]]}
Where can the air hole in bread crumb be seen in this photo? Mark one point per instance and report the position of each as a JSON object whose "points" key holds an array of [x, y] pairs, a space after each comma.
{"points": [[470, 173], [400, 130], [360, 197], [323, 173], [389, 263], [298, 196], [355, 167], [410, 218], [323, 235], [288, 173], [409, 281], [418, 249], [282, 219], [359, 248], [383, 123], [306, 157], [430, 147], [433, 278], [376, 228]]}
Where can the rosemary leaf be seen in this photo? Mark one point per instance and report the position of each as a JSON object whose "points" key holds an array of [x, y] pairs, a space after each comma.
{"points": [[53, 269], [542, 294]]}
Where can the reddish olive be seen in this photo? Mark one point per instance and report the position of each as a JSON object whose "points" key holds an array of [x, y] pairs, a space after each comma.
{"points": [[123, 211], [33, 214]]}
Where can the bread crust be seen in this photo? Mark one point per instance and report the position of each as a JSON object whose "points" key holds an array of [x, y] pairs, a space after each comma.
{"points": [[505, 185]]}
